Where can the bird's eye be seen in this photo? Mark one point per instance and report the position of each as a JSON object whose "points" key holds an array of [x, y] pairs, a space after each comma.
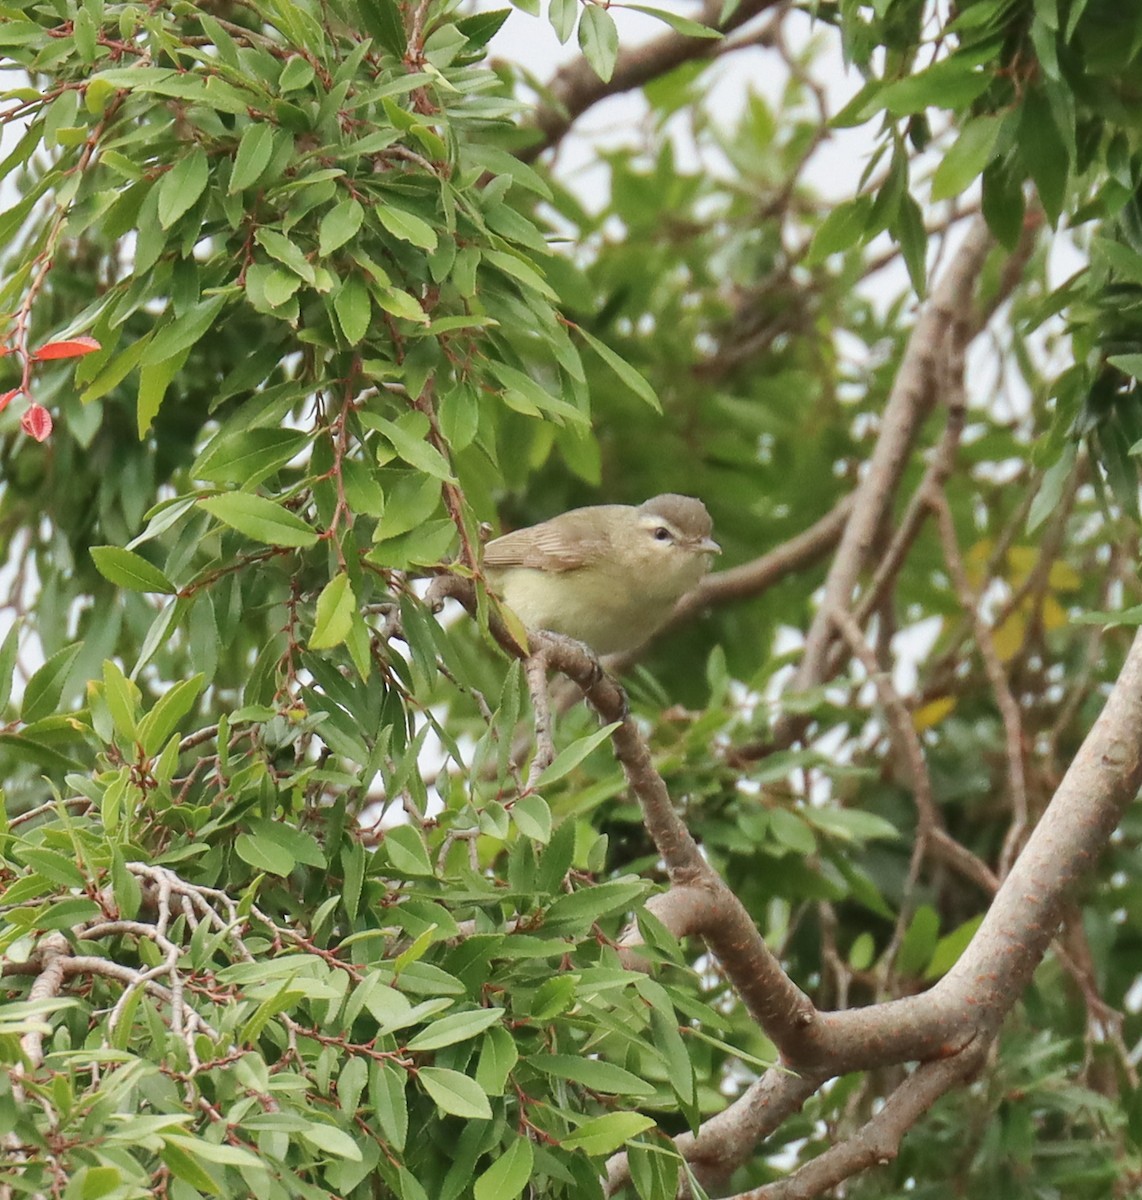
{"points": [[662, 534]]}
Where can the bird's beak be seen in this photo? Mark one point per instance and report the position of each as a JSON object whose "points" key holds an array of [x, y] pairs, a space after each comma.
{"points": [[709, 546]]}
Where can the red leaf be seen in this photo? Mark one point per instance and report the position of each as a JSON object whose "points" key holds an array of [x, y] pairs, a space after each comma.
{"points": [[36, 422], [7, 398], [7, 350], [72, 348]]}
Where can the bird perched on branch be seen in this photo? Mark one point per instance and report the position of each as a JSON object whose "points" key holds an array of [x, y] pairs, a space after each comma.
{"points": [[608, 575]]}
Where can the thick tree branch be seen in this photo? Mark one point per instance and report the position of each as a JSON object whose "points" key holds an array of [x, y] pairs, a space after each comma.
{"points": [[915, 391]]}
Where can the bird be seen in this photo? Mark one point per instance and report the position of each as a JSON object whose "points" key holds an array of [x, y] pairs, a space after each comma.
{"points": [[608, 575]]}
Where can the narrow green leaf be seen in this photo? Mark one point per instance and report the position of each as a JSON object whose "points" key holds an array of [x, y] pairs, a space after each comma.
{"points": [[632, 378], [455, 1093], [406, 851], [594, 1073], [163, 719], [969, 155], [383, 20], [248, 456], [406, 226], [335, 608], [277, 245], [122, 699], [677, 22], [841, 229], [125, 568], [46, 685], [508, 1175], [182, 185], [264, 855], [181, 333], [331, 1140], [260, 519], [571, 756], [185, 1167], [407, 438], [563, 14], [339, 224], [604, 1135], [456, 1027], [8, 652], [599, 40], [253, 156], [532, 817], [353, 308]]}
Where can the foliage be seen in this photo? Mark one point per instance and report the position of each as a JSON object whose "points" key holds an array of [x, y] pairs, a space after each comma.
{"points": [[279, 916]]}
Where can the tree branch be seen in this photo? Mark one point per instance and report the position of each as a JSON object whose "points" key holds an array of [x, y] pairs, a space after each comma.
{"points": [[576, 88]]}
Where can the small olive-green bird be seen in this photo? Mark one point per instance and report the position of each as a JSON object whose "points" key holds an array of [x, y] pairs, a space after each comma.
{"points": [[608, 575]]}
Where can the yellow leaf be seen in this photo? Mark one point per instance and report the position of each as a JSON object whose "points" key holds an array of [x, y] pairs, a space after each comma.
{"points": [[1064, 578], [975, 563], [1054, 615], [1009, 636], [932, 713], [1021, 562]]}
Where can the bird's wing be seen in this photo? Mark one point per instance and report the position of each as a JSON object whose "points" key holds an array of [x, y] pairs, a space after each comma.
{"points": [[550, 546]]}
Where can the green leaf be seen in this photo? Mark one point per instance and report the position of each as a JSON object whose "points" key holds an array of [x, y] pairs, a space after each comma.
{"points": [[339, 225], [182, 185], [153, 383], [253, 156], [481, 27], [604, 1135], [125, 568], [400, 304], [950, 947], [162, 721], [354, 309], [1055, 477], [456, 1027], [407, 438], [299, 844], [406, 851], [46, 685], [623, 370], [406, 226], [182, 332], [383, 20], [532, 817], [594, 1073], [278, 246], [335, 608], [247, 456], [52, 865], [571, 756], [525, 272], [599, 40], [498, 1057], [951, 83], [563, 14], [841, 229], [264, 855], [9, 651], [578, 910], [508, 1175], [919, 941], [1044, 152], [677, 22], [969, 155], [455, 1093], [331, 1140], [187, 1168], [260, 519]]}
